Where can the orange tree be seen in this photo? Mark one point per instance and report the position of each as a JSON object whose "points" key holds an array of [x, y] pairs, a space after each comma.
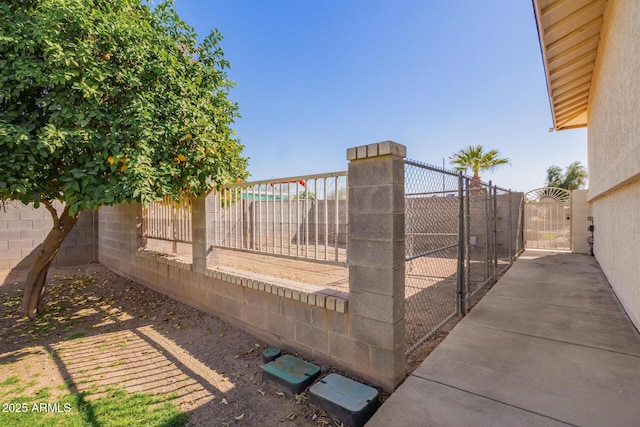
{"points": [[105, 102]]}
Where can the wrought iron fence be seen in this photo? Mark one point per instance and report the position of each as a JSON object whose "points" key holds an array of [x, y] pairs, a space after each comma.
{"points": [[301, 217], [548, 219], [460, 235]]}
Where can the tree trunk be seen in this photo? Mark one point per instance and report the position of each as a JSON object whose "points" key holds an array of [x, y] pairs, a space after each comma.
{"points": [[33, 300], [476, 184]]}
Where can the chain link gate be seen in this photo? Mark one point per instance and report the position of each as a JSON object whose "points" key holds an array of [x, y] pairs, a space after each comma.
{"points": [[460, 235], [432, 230]]}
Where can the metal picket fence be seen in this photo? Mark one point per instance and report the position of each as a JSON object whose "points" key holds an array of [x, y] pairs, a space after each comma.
{"points": [[165, 221], [301, 217], [460, 236]]}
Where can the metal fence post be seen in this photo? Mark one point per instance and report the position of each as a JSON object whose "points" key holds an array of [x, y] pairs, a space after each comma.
{"points": [[521, 220], [174, 231], [510, 230], [461, 297], [467, 221], [142, 225], [487, 255], [495, 233]]}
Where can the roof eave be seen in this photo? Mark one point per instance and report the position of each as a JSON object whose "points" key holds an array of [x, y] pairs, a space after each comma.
{"points": [[569, 37], [543, 51]]}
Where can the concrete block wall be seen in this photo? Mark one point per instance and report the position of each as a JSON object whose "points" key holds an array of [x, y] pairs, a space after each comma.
{"points": [[377, 258], [478, 227], [478, 217], [309, 319], [362, 331], [23, 228], [440, 215], [283, 213], [431, 222], [509, 208], [321, 210]]}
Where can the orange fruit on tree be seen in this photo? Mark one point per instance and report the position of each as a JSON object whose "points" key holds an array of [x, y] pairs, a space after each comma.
{"points": [[106, 57], [111, 160], [181, 158]]}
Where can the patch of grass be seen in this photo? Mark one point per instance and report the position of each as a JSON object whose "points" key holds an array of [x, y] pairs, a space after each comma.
{"points": [[129, 409], [76, 335], [10, 381], [68, 382], [20, 390], [43, 393], [115, 408], [116, 363], [14, 387], [26, 412]]}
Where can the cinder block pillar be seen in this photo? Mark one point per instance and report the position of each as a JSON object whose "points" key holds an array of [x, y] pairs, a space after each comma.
{"points": [[201, 237], [142, 240], [376, 257]]}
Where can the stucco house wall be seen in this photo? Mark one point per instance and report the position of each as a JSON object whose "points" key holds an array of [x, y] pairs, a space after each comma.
{"points": [[580, 213], [614, 152]]}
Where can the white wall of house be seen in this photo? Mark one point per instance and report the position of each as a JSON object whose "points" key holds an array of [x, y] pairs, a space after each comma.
{"points": [[580, 213], [614, 152]]}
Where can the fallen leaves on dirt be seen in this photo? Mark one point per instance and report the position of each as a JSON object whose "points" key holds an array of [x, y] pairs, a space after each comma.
{"points": [[93, 311]]}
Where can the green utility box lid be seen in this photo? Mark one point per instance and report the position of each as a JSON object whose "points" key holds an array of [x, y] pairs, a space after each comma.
{"points": [[291, 372], [271, 354], [351, 402]]}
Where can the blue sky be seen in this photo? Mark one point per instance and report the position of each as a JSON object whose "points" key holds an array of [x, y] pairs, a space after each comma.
{"points": [[317, 77]]}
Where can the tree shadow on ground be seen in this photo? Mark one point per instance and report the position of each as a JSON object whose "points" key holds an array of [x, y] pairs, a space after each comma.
{"points": [[106, 333]]}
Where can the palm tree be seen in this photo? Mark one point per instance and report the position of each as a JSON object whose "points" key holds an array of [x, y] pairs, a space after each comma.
{"points": [[475, 159], [575, 176]]}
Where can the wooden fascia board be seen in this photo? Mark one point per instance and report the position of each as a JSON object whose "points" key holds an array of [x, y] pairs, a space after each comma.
{"points": [[538, 15]]}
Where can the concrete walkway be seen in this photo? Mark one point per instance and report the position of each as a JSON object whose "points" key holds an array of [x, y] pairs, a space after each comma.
{"points": [[549, 345]]}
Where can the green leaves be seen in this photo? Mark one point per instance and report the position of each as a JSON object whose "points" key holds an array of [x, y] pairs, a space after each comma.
{"points": [[106, 102], [474, 158], [574, 178]]}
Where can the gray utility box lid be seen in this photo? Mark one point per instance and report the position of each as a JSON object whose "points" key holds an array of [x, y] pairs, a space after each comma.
{"points": [[351, 402]]}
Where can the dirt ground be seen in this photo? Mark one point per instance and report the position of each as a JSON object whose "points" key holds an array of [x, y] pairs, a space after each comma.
{"points": [[102, 331]]}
